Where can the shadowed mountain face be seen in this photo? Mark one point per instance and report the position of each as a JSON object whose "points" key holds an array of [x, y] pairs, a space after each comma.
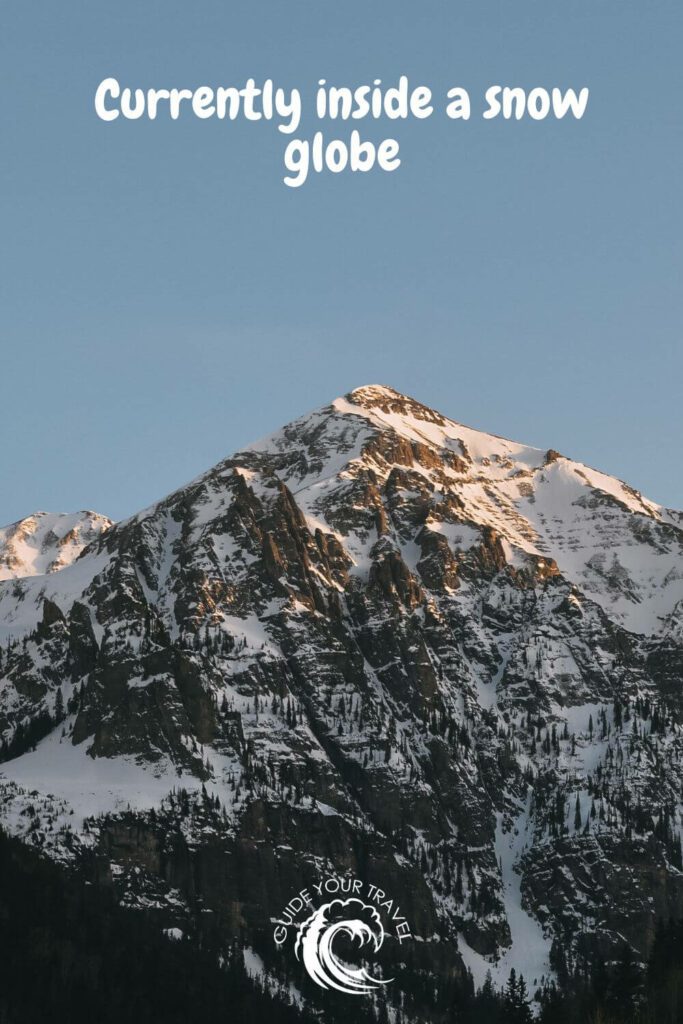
{"points": [[376, 642]]}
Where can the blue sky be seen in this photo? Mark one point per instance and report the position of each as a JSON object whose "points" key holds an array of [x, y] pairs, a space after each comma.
{"points": [[165, 299]]}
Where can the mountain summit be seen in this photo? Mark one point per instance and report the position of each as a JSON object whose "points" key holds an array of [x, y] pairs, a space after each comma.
{"points": [[44, 542], [375, 642]]}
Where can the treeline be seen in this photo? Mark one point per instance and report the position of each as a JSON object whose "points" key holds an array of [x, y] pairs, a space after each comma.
{"points": [[70, 955], [624, 993], [619, 993]]}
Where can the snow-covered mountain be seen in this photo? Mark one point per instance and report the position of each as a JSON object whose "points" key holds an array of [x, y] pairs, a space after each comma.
{"points": [[376, 641], [45, 542]]}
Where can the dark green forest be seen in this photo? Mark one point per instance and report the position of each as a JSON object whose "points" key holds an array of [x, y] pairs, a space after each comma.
{"points": [[70, 953]]}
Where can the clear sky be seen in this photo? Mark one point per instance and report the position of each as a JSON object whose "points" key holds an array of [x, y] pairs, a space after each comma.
{"points": [[165, 299]]}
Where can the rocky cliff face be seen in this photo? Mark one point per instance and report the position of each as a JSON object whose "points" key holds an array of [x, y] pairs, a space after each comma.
{"points": [[379, 642]]}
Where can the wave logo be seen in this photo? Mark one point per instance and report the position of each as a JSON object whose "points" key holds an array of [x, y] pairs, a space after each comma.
{"points": [[338, 920], [361, 923]]}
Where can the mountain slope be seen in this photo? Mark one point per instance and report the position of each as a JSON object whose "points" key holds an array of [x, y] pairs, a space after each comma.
{"points": [[380, 642]]}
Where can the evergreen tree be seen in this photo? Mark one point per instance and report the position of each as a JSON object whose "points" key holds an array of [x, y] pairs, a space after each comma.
{"points": [[516, 1002], [59, 706]]}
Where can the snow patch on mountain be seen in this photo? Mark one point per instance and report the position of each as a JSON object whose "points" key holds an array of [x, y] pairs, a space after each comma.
{"points": [[529, 951]]}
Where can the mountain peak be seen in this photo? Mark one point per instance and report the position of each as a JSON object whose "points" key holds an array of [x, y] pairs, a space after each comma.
{"points": [[46, 541], [388, 400], [375, 640], [390, 408]]}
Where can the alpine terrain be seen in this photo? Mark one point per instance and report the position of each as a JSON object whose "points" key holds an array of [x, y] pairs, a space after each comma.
{"points": [[376, 644]]}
